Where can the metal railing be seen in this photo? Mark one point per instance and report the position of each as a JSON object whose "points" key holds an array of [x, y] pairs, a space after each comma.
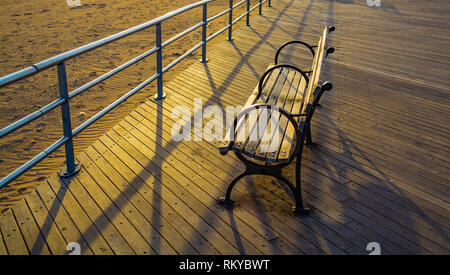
{"points": [[72, 167]]}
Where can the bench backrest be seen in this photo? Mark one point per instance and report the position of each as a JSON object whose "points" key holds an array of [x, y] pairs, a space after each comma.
{"points": [[319, 57], [287, 89]]}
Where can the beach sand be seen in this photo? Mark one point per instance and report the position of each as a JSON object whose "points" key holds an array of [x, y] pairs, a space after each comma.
{"points": [[32, 31]]}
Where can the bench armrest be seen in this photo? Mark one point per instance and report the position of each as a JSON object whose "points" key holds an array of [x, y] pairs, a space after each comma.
{"points": [[311, 48], [266, 73]]}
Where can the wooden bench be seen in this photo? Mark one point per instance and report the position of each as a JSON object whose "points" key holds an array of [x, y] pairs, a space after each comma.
{"points": [[270, 131]]}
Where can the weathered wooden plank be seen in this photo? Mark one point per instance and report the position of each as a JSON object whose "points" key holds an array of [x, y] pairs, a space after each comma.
{"points": [[99, 218], [114, 212], [272, 135], [160, 227], [188, 177], [3, 250], [30, 231], [89, 230], [12, 237], [61, 218], [287, 143], [49, 229], [243, 129], [260, 123], [247, 127]]}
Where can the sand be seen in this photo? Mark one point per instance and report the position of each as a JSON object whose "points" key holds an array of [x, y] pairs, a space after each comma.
{"points": [[32, 31]]}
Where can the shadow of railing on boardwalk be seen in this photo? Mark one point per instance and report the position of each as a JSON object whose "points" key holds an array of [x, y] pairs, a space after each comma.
{"points": [[133, 188]]}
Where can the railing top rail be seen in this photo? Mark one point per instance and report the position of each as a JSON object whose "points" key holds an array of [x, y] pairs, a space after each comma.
{"points": [[33, 69]]}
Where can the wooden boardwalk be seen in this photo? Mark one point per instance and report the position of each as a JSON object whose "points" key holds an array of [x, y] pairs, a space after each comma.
{"points": [[380, 173]]}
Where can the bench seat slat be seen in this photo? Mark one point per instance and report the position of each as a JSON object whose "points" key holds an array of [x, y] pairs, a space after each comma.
{"points": [[274, 133], [260, 126], [248, 133], [287, 142], [270, 80]]}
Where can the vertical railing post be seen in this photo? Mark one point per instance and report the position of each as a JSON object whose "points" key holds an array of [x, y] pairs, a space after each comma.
{"points": [[230, 22], [71, 167], [205, 18], [248, 13], [160, 94], [269, 4], [260, 7]]}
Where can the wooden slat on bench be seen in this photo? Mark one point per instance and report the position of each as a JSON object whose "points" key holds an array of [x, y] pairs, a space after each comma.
{"points": [[240, 131], [247, 128], [317, 66], [253, 138], [293, 105], [288, 138], [312, 76], [271, 137]]}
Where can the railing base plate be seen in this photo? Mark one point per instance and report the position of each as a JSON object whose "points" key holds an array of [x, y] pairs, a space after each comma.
{"points": [[201, 61], [64, 174]]}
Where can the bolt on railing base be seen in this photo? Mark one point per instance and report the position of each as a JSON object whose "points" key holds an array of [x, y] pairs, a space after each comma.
{"points": [[203, 61], [64, 174], [157, 97]]}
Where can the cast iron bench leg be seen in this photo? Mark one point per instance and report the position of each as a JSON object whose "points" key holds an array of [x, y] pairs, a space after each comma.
{"points": [[227, 201], [299, 208], [309, 141]]}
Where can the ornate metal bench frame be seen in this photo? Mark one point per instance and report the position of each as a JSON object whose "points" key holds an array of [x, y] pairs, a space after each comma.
{"points": [[302, 134]]}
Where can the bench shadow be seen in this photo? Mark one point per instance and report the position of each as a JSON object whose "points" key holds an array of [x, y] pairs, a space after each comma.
{"points": [[397, 243], [339, 166], [389, 191]]}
